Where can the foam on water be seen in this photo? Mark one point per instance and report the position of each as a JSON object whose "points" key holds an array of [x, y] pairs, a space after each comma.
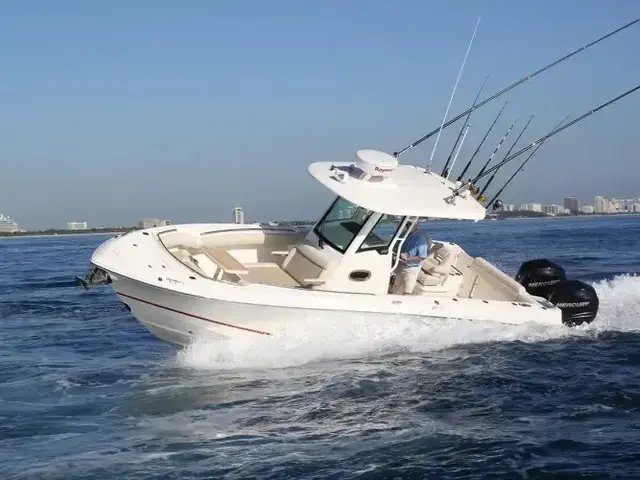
{"points": [[619, 304], [311, 339]]}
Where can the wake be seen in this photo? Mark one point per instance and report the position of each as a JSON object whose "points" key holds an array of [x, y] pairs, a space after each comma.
{"points": [[312, 339]]}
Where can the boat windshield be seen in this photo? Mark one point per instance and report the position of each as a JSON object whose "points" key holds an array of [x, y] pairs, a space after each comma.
{"points": [[341, 224]]}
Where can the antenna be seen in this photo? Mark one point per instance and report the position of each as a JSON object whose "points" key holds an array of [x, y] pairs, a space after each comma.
{"points": [[455, 87]]}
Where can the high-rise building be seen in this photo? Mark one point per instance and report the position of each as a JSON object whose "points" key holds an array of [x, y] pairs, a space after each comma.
{"points": [[600, 205], [572, 204], [551, 209], [77, 225], [238, 215], [616, 205]]}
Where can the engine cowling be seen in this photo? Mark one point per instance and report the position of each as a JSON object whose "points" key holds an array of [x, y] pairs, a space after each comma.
{"points": [[539, 276], [578, 301]]}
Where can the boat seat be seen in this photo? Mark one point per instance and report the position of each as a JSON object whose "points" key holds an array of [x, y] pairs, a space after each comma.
{"points": [[437, 267], [225, 261], [307, 265], [204, 264], [270, 274], [490, 283]]}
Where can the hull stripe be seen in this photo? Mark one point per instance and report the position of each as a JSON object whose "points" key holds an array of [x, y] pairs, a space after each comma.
{"points": [[194, 316]]}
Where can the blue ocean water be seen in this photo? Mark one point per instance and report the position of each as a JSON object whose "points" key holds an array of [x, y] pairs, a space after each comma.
{"points": [[87, 393]]}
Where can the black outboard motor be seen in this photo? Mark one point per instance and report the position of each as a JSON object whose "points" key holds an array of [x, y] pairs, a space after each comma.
{"points": [[578, 301], [539, 276]]}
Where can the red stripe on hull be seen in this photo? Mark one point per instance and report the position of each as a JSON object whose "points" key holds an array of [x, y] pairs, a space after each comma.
{"points": [[216, 322]]}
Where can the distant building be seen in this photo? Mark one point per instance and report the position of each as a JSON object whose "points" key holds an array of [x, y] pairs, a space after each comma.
{"points": [[587, 209], [635, 208], [153, 222], [572, 204], [7, 225], [531, 207], [509, 207], [77, 225], [238, 215], [600, 205], [551, 209]]}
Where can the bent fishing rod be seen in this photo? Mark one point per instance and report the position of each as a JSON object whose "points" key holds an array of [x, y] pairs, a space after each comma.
{"points": [[466, 167], [514, 85], [513, 145], [445, 170], [471, 182], [499, 192]]}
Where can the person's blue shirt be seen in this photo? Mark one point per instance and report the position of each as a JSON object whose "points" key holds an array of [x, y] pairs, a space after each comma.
{"points": [[415, 246]]}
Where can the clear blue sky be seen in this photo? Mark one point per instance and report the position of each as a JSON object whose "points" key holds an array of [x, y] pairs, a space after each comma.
{"points": [[112, 111]]}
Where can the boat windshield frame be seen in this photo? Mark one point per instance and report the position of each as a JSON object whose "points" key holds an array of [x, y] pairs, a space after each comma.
{"points": [[346, 227]]}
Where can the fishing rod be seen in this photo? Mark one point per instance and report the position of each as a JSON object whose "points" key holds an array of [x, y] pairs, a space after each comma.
{"points": [[459, 148], [471, 182], [494, 198], [455, 87], [445, 170], [514, 85], [496, 149], [480, 195], [466, 167]]}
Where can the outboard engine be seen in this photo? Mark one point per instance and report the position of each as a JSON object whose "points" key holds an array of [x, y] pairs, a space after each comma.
{"points": [[539, 276], [578, 301]]}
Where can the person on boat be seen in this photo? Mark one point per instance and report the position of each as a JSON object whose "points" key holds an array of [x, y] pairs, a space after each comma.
{"points": [[414, 251]]}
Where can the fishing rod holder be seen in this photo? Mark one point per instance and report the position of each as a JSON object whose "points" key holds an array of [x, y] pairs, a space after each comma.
{"points": [[462, 191]]}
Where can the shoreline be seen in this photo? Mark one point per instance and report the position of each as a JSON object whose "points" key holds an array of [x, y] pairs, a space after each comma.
{"points": [[43, 235], [563, 217], [63, 233]]}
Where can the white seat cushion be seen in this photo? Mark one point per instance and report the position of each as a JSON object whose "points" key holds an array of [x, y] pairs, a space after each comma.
{"points": [[437, 267], [307, 265]]}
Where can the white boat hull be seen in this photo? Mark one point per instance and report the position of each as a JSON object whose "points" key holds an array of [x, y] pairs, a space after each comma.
{"points": [[180, 319], [177, 305]]}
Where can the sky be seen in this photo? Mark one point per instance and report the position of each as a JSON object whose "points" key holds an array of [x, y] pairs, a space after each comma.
{"points": [[114, 111]]}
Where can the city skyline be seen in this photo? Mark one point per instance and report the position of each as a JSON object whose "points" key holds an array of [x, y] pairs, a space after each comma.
{"points": [[184, 111], [572, 205], [600, 205]]}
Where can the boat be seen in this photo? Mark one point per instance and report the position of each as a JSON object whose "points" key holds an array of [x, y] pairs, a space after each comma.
{"points": [[226, 281]]}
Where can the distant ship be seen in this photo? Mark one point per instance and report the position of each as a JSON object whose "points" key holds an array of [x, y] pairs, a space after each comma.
{"points": [[8, 225]]}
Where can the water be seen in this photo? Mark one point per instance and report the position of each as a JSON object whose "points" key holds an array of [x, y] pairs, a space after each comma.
{"points": [[87, 393]]}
